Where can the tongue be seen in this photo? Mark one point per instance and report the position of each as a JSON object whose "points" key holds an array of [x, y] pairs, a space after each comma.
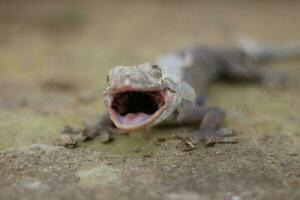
{"points": [[134, 118]]}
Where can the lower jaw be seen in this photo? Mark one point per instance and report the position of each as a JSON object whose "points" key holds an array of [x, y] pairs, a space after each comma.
{"points": [[148, 121], [130, 128]]}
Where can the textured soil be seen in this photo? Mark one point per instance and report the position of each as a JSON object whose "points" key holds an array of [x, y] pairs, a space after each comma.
{"points": [[54, 57]]}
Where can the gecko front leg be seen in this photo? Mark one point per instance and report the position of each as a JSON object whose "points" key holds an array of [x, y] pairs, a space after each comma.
{"points": [[103, 128], [210, 122], [100, 128]]}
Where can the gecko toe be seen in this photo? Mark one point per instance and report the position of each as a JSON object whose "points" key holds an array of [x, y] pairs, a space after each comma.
{"points": [[227, 132], [224, 135]]}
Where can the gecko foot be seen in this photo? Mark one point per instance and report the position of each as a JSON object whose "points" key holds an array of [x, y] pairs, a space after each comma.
{"points": [[224, 135], [72, 136]]}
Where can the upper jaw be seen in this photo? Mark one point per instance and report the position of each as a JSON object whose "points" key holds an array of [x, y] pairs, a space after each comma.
{"points": [[137, 119]]}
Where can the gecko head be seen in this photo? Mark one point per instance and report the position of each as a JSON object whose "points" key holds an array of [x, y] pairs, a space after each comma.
{"points": [[136, 97]]}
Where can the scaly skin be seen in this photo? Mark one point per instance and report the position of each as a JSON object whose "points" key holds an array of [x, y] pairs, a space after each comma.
{"points": [[182, 79]]}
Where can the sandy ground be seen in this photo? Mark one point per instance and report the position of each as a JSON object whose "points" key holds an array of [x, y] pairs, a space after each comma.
{"points": [[54, 57]]}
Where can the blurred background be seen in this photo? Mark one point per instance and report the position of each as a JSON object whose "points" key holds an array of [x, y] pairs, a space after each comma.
{"points": [[54, 56]]}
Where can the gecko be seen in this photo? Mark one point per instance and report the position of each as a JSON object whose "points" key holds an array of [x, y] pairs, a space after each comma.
{"points": [[172, 89]]}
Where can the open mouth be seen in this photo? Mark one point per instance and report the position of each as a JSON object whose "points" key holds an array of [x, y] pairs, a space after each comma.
{"points": [[132, 110]]}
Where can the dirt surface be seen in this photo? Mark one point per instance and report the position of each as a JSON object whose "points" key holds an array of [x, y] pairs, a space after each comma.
{"points": [[54, 57]]}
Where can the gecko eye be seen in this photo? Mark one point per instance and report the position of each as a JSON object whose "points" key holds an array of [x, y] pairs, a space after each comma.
{"points": [[156, 71]]}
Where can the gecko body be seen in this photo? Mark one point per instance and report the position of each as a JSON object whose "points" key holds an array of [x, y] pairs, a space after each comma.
{"points": [[172, 88]]}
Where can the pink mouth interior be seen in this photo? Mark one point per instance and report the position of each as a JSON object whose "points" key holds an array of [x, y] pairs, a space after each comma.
{"points": [[133, 118], [135, 108]]}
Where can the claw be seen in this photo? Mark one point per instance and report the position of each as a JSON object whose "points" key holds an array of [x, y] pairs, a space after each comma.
{"points": [[68, 141], [210, 138], [226, 132], [232, 140], [225, 135]]}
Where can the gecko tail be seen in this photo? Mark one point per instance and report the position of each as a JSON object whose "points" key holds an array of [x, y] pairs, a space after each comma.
{"points": [[261, 51]]}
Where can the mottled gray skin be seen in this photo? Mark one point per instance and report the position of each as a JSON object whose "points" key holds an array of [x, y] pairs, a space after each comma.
{"points": [[186, 75]]}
